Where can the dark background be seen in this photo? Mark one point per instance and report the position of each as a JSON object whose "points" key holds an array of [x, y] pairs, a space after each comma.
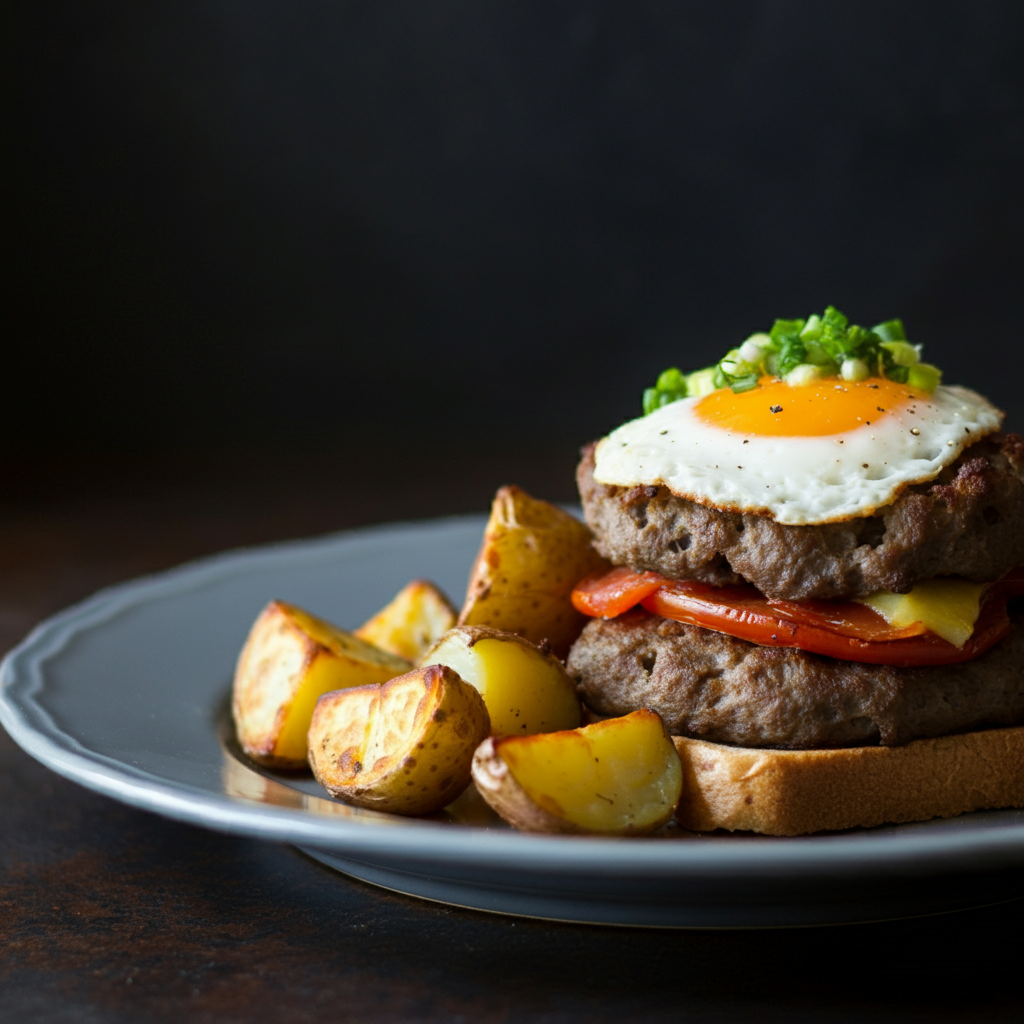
{"points": [[282, 268], [457, 226]]}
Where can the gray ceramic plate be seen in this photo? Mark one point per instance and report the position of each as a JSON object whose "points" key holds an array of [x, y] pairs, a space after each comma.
{"points": [[126, 694]]}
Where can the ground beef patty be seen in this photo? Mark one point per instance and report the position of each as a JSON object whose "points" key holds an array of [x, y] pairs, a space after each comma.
{"points": [[716, 687], [969, 522]]}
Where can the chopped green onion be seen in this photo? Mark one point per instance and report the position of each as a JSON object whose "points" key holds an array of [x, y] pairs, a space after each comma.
{"points": [[854, 369], [751, 352], [701, 382], [786, 328], [818, 356], [812, 329], [890, 330], [903, 354], [833, 331], [791, 350], [888, 367], [802, 351], [670, 387], [731, 363], [736, 371], [924, 376], [671, 380], [804, 374], [747, 383], [859, 342]]}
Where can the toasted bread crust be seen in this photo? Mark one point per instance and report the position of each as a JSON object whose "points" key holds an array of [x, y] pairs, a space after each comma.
{"points": [[795, 792], [968, 522]]}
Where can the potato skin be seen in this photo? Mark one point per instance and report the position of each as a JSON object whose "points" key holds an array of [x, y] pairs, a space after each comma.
{"points": [[619, 777], [532, 556], [289, 659], [405, 746], [499, 788], [416, 617], [525, 707]]}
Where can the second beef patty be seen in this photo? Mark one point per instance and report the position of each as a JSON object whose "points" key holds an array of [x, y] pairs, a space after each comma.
{"points": [[716, 687]]}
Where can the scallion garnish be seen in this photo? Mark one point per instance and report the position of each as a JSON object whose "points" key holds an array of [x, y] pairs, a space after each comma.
{"points": [[670, 387], [801, 352]]}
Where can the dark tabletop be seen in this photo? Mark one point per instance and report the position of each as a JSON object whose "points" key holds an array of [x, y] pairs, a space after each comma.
{"points": [[110, 914]]}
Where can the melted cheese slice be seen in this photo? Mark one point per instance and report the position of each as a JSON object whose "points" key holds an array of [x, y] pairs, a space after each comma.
{"points": [[949, 608]]}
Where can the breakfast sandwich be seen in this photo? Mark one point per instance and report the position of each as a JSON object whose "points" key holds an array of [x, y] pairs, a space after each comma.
{"points": [[817, 547]]}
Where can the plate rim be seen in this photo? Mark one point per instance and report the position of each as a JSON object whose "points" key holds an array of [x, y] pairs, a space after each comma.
{"points": [[22, 680]]}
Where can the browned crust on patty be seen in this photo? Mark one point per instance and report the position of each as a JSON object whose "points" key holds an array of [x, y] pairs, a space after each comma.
{"points": [[716, 687], [968, 521]]}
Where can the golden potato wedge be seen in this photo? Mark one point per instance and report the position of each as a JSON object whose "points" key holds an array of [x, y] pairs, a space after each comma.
{"points": [[618, 777], [288, 661], [532, 556], [416, 617], [526, 688], [405, 746]]}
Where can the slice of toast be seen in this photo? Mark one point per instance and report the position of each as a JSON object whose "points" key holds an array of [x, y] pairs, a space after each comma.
{"points": [[794, 792]]}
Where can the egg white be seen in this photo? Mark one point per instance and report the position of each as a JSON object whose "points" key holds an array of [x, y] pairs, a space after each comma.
{"points": [[796, 480]]}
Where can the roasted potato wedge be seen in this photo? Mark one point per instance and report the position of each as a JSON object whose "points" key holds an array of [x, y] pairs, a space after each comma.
{"points": [[416, 617], [405, 746], [288, 661], [618, 777], [533, 554], [526, 688]]}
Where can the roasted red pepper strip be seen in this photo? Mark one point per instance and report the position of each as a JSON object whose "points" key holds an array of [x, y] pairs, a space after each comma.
{"points": [[607, 594], [746, 613], [847, 618], [760, 623]]}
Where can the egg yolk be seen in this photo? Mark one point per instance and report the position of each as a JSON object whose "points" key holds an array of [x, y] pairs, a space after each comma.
{"points": [[778, 409]]}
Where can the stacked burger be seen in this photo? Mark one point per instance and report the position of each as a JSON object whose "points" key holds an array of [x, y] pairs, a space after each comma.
{"points": [[817, 550]]}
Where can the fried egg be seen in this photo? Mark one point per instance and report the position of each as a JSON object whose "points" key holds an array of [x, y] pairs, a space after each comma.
{"points": [[820, 453]]}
